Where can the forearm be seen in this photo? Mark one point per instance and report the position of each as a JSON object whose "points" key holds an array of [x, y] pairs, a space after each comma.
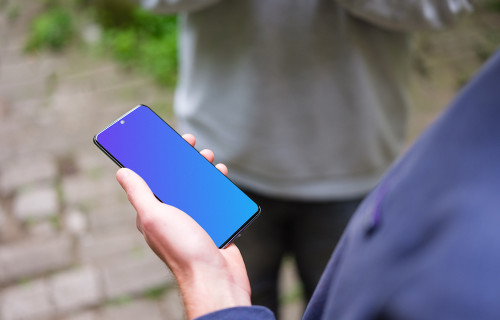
{"points": [[408, 15], [206, 290]]}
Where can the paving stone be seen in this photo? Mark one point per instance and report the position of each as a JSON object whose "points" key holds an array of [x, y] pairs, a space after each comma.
{"points": [[27, 301], [93, 162], [112, 216], [135, 274], [29, 73], [5, 106], [88, 315], [36, 204], [292, 310], [132, 311], [3, 219], [105, 246], [86, 96], [8, 129], [24, 90], [75, 289], [80, 190], [75, 222], [34, 257], [172, 305], [30, 139], [27, 170], [43, 228], [10, 228]]}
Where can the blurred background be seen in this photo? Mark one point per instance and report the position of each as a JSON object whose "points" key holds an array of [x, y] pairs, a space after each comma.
{"points": [[69, 248]]}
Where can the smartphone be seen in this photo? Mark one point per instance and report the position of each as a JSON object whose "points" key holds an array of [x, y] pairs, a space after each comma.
{"points": [[177, 173]]}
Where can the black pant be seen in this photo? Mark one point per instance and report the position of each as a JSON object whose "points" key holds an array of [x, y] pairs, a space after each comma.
{"points": [[308, 230]]}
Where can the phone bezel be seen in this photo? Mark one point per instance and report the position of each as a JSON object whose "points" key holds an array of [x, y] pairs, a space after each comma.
{"points": [[235, 234]]}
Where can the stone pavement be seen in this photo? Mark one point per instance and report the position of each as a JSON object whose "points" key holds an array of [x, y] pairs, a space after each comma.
{"points": [[68, 244], [69, 248]]}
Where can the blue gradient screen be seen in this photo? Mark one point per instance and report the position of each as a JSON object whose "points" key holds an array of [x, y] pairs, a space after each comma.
{"points": [[177, 173]]}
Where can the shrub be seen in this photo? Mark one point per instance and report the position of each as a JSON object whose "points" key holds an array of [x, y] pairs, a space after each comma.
{"points": [[52, 30], [148, 42]]}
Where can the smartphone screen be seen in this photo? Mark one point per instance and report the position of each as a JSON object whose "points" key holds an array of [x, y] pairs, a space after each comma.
{"points": [[177, 173]]}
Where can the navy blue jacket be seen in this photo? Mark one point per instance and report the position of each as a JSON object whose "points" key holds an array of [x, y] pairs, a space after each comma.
{"points": [[425, 244]]}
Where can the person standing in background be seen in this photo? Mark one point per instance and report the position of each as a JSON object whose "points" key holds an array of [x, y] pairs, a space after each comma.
{"points": [[307, 104]]}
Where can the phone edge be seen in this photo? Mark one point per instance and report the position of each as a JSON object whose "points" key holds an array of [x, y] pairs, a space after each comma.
{"points": [[96, 142], [232, 237], [243, 227], [106, 152]]}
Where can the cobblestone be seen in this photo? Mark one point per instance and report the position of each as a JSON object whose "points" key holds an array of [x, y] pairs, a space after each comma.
{"points": [[92, 162], [42, 229], [89, 315], [75, 289], [51, 218], [29, 301], [172, 306], [27, 171], [132, 311], [75, 222], [3, 221], [80, 189], [34, 257], [133, 274], [10, 230], [101, 247], [112, 216], [36, 204]]}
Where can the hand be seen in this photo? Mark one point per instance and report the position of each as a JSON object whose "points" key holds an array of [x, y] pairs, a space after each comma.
{"points": [[209, 278]]}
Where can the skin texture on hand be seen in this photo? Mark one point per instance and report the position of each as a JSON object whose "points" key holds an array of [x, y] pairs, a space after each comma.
{"points": [[209, 278]]}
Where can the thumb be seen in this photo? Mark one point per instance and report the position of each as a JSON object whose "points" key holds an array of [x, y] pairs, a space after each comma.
{"points": [[138, 192]]}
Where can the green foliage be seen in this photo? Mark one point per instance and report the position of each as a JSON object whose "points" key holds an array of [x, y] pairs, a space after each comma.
{"points": [[493, 5], [123, 45], [158, 57], [137, 39], [51, 30], [113, 13], [146, 42]]}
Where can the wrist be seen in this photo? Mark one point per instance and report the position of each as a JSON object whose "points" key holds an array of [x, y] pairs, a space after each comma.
{"points": [[208, 289]]}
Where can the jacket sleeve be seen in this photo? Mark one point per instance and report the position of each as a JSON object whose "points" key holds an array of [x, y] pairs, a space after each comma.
{"points": [[240, 313], [175, 6], [408, 15]]}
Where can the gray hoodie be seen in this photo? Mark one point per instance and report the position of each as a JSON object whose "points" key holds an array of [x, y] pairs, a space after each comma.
{"points": [[301, 99]]}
